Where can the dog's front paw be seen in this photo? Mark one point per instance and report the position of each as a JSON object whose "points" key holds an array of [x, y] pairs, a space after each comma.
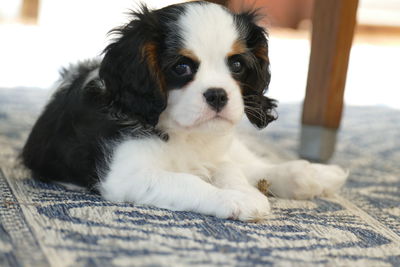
{"points": [[243, 206], [304, 180]]}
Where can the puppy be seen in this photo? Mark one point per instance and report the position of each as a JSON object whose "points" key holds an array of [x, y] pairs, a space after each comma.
{"points": [[153, 122]]}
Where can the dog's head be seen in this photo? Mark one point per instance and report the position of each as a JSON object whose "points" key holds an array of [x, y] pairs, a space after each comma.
{"points": [[190, 66]]}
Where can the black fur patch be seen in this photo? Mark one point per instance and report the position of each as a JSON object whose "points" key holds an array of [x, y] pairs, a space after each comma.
{"points": [[70, 141], [255, 80]]}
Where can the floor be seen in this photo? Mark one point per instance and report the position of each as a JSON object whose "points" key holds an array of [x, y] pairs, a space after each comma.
{"points": [[49, 225]]}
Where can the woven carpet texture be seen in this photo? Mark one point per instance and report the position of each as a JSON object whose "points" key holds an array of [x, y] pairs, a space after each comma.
{"points": [[47, 225]]}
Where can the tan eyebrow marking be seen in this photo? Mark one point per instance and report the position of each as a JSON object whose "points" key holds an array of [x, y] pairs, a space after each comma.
{"points": [[189, 53], [262, 52], [238, 47]]}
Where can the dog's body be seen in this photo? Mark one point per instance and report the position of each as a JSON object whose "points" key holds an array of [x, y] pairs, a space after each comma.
{"points": [[153, 121]]}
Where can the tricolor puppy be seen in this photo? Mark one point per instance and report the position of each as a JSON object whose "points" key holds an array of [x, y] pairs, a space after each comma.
{"points": [[154, 121]]}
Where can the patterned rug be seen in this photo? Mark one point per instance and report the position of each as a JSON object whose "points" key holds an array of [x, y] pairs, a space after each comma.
{"points": [[48, 225]]}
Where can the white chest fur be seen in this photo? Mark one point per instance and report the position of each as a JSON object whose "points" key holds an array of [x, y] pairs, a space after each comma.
{"points": [[197, 154]]}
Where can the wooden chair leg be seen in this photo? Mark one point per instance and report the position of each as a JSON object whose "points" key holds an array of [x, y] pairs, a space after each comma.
{"points": [[333, 29], [30, 11]]}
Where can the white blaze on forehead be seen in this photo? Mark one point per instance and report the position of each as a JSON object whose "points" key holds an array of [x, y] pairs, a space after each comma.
{"points": [[208, 30]]}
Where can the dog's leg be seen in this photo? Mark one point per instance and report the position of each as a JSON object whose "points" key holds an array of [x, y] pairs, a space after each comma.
{"points": [[174, 191], [254, 205], [136, 175], [297, 179]]}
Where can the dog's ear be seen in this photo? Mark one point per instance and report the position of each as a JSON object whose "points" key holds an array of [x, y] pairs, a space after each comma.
{"points": [[131, 69], [258, 108]]}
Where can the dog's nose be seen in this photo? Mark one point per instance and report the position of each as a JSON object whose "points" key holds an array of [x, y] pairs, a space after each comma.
{"points": [[216, 98]]}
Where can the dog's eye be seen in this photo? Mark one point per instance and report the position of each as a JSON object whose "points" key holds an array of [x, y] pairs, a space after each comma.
{"points": [[235, 65], [182, 70]]}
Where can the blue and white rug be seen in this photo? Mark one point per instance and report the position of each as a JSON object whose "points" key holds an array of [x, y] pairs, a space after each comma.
{"points": [[48, 225]]}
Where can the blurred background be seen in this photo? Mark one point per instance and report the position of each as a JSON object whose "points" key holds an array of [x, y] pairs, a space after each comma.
{"points": [[39, 36]]}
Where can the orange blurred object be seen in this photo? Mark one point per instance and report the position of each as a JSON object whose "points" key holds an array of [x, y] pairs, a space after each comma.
{"points": [[279, 13]]}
